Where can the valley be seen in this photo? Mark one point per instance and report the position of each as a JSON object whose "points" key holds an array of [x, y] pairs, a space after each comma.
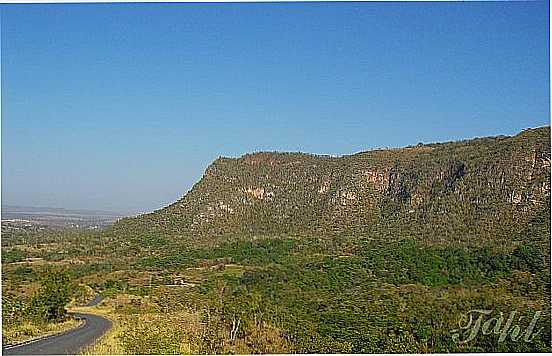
{"points": [[379, 251]]}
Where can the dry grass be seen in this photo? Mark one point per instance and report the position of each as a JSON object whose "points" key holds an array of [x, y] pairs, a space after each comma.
{"points": [[146, 332], [13, 334], [139, 327]]}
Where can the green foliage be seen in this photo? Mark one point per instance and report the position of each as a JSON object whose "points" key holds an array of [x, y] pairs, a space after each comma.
{"points": [[112, 287], [14, 255], [13, 308], [396, 297], [528, 258], [466, 191], [380, 251], [50, 301]]}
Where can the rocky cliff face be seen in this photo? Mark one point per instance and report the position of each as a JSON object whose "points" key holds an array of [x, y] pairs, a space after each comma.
{"points": [[480, 188]]}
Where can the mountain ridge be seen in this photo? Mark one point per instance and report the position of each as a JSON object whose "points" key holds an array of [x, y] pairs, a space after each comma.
{"points": [[429, 191]]}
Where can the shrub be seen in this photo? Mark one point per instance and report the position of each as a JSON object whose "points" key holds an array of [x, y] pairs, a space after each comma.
{"points": [[49, 302]]}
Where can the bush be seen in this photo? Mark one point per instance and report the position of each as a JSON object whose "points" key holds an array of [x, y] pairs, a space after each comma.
{"points": [[49, 302], [14, 255], [528, 258]]}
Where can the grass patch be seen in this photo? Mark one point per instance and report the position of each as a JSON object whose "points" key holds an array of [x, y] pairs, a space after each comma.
{"points": [[29, 330]]}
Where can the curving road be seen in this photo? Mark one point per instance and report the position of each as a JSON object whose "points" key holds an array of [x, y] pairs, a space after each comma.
{"points": [[70, 342], [97, 299]]}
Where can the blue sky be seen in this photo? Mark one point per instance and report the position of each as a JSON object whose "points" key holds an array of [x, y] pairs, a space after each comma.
{"points": [[122, 107]]}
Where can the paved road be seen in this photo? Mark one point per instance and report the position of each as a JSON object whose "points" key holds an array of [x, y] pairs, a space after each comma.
{"points": [[70, 342], [97, 299]]}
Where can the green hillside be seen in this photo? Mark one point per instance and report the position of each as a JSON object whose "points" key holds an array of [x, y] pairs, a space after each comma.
{"points": [[381, 251], [488, 188]]}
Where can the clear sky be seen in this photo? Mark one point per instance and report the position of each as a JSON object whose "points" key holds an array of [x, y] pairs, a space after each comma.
{"points": [[122, 107]]}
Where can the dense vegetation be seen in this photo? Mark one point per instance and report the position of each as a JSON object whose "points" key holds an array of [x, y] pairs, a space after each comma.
{"points": [[381, 251], [439, 192], [24, 317]]}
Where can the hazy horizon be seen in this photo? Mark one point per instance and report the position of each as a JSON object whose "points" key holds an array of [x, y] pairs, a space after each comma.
{"points": [[135, 211], [121, 107]]}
